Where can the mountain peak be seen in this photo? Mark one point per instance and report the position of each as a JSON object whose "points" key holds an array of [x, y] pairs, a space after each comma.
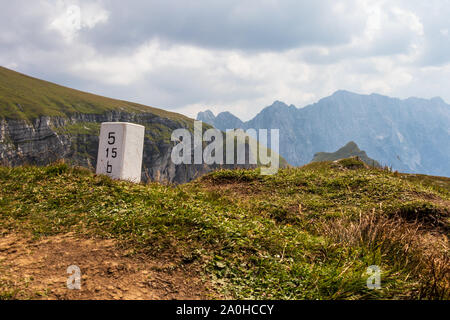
{"points": [[207, 117], [278, 104], [276, 109], [226, 113], [343, 93], [351, 149], [223, 121], [208, 113], [351, 146]]}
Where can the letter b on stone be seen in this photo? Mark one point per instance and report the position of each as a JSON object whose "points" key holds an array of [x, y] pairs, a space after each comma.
{"points": [[120, 151]]}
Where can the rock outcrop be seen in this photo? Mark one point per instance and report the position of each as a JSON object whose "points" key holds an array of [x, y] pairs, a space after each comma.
{"points": [[350, 150]]}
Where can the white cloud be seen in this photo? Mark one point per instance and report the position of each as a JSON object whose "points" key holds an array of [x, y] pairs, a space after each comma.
{"points": [[174, 67], [71, 17]]}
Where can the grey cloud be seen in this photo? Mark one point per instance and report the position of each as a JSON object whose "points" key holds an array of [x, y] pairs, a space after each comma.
{"points": [[178, 88], [25, 24], [386, 45], [232, 24], [437, 43], [434, 15]]}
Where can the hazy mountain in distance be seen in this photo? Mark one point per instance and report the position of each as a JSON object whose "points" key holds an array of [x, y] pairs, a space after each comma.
{"points": [[351, 149], [411, 135], [231, 120]]}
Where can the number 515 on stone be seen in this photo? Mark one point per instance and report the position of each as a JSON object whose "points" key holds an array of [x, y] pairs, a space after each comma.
{"points": [[120, 150]]}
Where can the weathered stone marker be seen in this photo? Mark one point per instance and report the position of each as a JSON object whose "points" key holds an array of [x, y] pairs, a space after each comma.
{"points": [[120, 151]]}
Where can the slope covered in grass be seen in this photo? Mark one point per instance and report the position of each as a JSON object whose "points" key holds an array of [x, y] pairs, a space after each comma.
{"points": [[306, 233], [24, 97]]}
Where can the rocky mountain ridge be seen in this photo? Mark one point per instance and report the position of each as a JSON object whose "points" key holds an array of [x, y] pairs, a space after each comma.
{"points": [[410, 135]]}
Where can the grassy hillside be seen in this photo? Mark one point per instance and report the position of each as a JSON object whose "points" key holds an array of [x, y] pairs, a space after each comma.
{"points": [[306, 233], [24, 97]]}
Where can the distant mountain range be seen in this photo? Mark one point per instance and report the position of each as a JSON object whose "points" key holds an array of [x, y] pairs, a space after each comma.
{"points": [[411, 135]]}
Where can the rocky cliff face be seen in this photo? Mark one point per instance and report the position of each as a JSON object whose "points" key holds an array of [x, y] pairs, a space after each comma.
{"points": [[75, 139]]}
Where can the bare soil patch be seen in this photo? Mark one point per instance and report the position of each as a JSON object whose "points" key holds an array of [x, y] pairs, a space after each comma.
{"points": [[37, 269]]}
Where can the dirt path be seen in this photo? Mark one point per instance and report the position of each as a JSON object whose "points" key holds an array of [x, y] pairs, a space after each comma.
{"points": [[38, 270]]}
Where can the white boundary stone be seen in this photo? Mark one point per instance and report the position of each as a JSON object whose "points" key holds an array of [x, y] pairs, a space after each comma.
{"points": [[120, 151]]}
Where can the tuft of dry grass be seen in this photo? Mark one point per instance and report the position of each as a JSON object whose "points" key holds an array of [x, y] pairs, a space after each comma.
{"points": [[406, 245]]}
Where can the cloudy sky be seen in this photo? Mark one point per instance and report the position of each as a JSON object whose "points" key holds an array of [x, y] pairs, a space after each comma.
{"points": [[234, 55]]}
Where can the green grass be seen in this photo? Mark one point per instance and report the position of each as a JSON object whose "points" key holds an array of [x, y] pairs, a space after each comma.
{"points": [[306, 233], [86, 128], [24, 97], [158, 132], [440, 183]]}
